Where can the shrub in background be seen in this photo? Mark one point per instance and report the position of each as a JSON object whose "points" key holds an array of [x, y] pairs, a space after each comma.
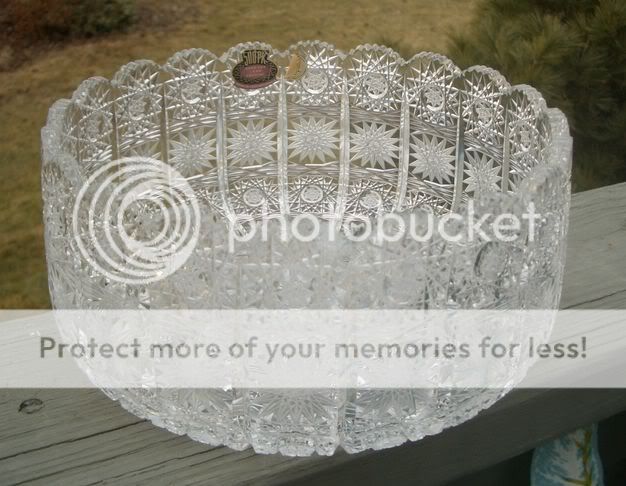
{"points": [[27, 21], [574, 53], [103, 16]]}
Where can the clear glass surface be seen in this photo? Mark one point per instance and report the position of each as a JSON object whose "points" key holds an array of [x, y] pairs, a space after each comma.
{"points": [[353, 134]]}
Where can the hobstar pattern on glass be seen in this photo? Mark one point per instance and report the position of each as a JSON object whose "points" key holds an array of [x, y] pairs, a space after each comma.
{"points": [[356, 133]]}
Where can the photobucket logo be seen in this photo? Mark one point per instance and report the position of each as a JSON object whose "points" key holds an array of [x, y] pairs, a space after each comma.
{"points": [[136, 220], [388, 227]]}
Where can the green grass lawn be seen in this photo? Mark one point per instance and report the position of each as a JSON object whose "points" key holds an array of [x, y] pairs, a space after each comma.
{"points": [[27, 92]]}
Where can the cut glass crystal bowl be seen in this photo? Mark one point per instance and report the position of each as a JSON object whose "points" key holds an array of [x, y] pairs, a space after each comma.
{"points": [[318, 131]]}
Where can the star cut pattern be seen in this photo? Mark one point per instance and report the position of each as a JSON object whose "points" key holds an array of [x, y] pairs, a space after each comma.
{"points": [[263, 191], [150, 148], [321, 83], [314, 139], [365, 190], [374, 78], [482, 107], [375, 145], [299, 201], [139, 108], [481, 174], [430, 85], [193, 151], [294, 406], [252, 143], [432, 158]]}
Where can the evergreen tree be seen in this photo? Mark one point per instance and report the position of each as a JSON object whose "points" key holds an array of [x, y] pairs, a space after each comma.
{"points": [[574, 53]]}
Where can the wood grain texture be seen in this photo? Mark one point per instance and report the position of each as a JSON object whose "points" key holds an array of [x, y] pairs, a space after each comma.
{"points": [[82, 437]]}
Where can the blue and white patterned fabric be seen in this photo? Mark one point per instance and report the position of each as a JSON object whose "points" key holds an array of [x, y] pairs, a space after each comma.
{"points": [[572, 459]]}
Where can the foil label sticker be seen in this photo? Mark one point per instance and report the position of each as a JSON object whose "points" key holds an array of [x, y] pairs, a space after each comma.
{"points": [[255, 70], [296, 68]]}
